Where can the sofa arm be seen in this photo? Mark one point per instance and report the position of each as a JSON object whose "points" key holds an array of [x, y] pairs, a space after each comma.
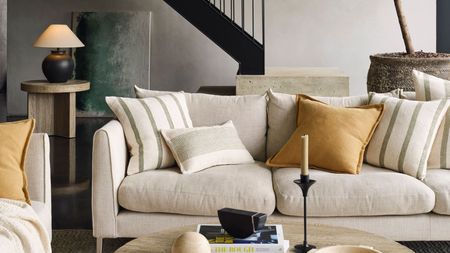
{"points": [[109, 162], [37, 168]]}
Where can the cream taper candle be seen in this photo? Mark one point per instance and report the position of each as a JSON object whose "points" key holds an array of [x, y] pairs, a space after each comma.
{"points": [[305, 165]]}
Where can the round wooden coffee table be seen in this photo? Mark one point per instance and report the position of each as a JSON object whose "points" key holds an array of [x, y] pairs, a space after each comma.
{"points": [[319, 235]]}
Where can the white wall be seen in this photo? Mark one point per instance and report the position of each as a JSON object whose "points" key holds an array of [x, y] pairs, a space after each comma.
{"points": [[338, 33]]}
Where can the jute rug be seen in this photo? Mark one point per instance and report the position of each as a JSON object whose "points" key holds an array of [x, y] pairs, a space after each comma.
{"points": [[74, 241]]}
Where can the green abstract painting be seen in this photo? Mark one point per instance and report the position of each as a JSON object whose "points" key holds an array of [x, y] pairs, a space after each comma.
{"points": [[116, 57]]}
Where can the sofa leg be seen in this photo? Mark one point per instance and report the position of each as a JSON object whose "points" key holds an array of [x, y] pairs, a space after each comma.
{"points": [[99, 245]]}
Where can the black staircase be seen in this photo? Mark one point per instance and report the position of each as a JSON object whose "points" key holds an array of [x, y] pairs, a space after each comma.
{"points": [[225, 22]]}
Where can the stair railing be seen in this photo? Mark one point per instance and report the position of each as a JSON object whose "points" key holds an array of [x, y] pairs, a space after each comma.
{"points": [[236, 11]]}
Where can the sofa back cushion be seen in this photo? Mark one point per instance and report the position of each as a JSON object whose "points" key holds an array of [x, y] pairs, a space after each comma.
{"points": [[429, 88], [142, 119], [248, 114], [282, 116]]}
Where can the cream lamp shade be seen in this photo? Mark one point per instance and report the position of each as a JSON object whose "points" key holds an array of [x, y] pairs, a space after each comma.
{"points": [[58, 36]]}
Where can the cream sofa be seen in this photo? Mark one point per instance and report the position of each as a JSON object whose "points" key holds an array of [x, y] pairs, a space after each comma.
{"points": [[37, 167], [381, 201]]}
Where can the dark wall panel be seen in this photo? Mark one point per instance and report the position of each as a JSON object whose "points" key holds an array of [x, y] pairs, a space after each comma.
{"points": [[3, 60], [443, 26]]}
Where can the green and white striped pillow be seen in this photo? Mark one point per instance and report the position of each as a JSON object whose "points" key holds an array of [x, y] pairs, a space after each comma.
{"points": [[429, 88], [200, 148], [141, 120], [403, 139]]}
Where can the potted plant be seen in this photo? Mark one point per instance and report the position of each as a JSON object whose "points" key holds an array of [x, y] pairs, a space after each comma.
{"points": [[390, 71]]}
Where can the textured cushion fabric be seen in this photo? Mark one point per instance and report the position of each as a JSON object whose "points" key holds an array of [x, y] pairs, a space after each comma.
{"points": [[242, 186], [374, 192], [282, 116], [200, 148], [141, 120], [430, 88], [337, 136], [438, 180], [403, 139], [248, 114], [14, 140]]}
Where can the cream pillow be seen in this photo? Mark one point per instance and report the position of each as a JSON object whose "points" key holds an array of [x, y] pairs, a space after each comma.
{"points": [[402, 142], [429, 88], [199, 148], [141, 120]]}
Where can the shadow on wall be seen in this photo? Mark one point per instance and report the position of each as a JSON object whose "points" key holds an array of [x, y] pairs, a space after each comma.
{"points": [[2, 107]]}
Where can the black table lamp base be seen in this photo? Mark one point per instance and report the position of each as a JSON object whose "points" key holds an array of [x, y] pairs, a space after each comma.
{"points": [[58, 67]]}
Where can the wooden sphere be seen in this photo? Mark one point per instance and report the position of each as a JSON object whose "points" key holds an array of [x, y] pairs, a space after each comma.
{"points": [[191, 242]]}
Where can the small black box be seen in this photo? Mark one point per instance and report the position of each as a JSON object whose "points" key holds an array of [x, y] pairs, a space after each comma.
{"points": [[241, 223]]}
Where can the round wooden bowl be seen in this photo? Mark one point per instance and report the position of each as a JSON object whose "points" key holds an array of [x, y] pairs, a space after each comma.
{"points": [[347, 249]]}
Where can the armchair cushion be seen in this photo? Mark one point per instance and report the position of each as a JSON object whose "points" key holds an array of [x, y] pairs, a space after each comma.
{"points": [[14, 140]]}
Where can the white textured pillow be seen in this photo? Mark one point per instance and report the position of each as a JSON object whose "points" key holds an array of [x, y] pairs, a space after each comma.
{"points": [[403, 139], [199, 148], [141, 120], [429, 88]]}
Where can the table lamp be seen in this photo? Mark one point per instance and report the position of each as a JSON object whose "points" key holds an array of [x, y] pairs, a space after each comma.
{"points": [[58, 66]]}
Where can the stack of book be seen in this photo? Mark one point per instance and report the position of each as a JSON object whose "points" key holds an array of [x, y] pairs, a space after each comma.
{"points": [[270, 239]]}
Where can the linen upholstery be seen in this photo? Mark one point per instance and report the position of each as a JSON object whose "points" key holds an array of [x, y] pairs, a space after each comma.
{"points": [[37, 168], [14, 141], [109, 163], [200, 148], [417, 227], [430, 88], [375, 191], [282, 116], [338, 136], [142, 119], [241, 186], [438, 180], [404, 137], [248, 114]]}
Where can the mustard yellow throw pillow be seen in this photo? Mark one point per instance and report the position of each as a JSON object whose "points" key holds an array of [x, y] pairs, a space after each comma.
{"points": [[337, 136], [14, 140]]}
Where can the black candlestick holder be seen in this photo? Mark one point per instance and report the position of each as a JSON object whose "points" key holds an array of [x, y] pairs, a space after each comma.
{"points": [[304, 183]]}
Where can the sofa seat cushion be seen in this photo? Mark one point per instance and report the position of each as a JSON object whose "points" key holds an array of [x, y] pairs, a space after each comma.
{"points": [[439, 181], [374, 192], [243, 186]]}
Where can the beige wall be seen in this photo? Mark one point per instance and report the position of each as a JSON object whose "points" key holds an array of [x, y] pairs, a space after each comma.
{"points": [[339, 33]]}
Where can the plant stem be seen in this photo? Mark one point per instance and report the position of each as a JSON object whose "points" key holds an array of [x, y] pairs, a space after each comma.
{"points": [[404, 27]]}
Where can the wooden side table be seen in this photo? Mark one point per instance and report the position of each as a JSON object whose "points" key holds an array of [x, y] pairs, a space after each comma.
{"points": [[53, 105]]}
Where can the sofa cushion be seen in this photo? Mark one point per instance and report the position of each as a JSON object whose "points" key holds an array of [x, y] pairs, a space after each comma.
{"points": [[243, 186], [199, 148], [248, 114], [429, 88], [438, 180], [14, 140], [282, 116], [404, 137], [374, 192], [338, 136], [141, 120]]}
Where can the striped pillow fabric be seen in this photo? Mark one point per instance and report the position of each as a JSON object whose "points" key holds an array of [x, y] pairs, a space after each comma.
{"points": [[429, 88], [141, 120], [199, 148], [403, 139]]}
